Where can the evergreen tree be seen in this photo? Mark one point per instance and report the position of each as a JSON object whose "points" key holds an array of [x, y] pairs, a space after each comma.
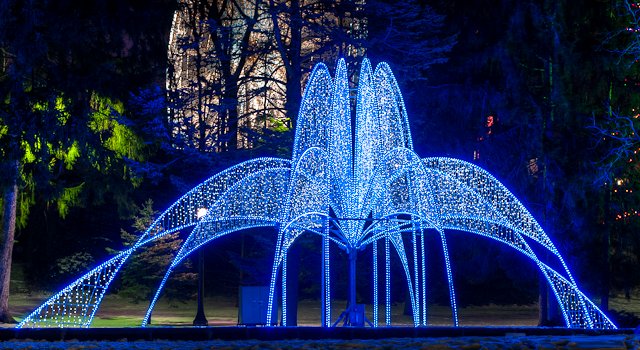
{"points": [[58, 128], [141, 277], [409, 35], [615, 128]]}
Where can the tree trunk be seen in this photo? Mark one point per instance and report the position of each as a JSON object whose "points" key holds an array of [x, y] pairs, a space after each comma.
{"points": [[230, 102], [606, 269], [294, 71], [543, 311], [10, 201], [293, 96]]}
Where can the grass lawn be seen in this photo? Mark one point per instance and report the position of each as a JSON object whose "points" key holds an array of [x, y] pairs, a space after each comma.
{"points": [[631, 305], [223, 311], [116, 311]]}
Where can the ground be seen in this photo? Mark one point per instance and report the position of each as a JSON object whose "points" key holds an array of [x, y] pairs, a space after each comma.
{"points": [[223, 311], [119, 312], [467, 343]]}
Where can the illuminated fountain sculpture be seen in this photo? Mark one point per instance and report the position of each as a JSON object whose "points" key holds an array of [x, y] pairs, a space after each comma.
{"points": [[366, 190]]}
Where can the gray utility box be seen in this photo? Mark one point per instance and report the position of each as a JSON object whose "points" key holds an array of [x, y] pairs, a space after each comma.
{"points": [[253, 304]]}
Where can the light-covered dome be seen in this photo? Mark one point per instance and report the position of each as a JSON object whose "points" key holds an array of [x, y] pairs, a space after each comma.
{"points": [[358, 184]]}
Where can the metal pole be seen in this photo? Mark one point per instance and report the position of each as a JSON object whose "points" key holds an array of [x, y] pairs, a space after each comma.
{"points": [[353, 315], [200, 319], [353, 255]]}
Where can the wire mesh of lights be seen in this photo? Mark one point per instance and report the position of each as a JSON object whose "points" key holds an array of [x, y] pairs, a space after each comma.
{"points": [[358, 189]]}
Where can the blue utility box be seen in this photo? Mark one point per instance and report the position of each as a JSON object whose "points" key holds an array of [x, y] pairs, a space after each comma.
{"points": [[253, 304], [356, 316]]}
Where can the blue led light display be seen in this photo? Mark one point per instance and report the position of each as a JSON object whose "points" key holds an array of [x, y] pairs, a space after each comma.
{"points": [[355, 188]]}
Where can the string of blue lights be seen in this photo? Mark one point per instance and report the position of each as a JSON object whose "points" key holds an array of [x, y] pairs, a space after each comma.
{"points": [[353, 184]]}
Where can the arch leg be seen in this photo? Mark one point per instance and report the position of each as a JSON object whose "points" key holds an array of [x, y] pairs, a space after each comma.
{"points": [[424, 278], [326, 282], [374, 246], [452, 291], [387, 284]]}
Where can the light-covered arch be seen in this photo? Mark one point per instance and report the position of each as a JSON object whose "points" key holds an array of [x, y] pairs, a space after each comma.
{"points": [[251, 202], [76, 304], [475, 211]]}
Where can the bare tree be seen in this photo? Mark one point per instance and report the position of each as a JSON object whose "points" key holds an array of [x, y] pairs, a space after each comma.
{"points": [[309, 31], [215, 57]]}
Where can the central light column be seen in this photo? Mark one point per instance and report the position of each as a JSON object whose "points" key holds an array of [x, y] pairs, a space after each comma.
{"points": [[353, 256]]}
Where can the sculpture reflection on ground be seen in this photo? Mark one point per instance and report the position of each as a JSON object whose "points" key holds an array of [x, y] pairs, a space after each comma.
{"points": [[358, 189]]}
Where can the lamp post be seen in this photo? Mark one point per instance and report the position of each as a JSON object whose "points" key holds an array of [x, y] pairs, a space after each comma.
{"points": [[200, 319]]}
